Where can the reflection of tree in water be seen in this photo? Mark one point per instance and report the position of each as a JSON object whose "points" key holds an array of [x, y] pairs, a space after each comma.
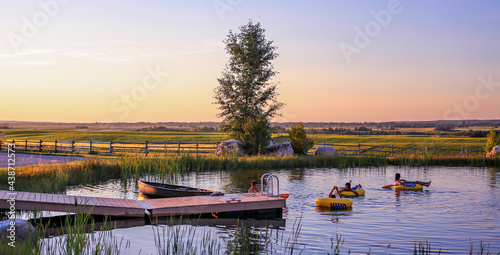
{"points": [[296, 175], [493, 171], [239, 180]]}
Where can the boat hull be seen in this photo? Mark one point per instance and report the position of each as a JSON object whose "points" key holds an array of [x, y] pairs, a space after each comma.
{"points": [[156, 190]]}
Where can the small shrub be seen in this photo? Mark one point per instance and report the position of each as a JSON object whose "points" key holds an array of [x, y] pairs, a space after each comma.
{"points": [[298, 138], [493, 140]]}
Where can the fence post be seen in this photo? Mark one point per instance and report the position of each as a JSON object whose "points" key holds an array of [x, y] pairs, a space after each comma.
{"points": [[110, 147], [196, 148], [72, 146], [165, 148], [392, 150], [90, 147], [1, 143], [40, 147], [146, 148], [359, 149], [462, 151], [179, 149], [324, 144], [55, 146], [26, 145]]}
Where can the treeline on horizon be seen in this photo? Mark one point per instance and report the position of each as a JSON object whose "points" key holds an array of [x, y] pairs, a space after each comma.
{"points": [[439, 127]]}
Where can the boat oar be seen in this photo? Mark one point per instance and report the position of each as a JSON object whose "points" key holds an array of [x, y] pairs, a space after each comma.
{"points": [[388, 186], [285, 196]]}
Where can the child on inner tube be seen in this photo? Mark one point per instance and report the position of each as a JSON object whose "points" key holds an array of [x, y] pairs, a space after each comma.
{"points": [[347, 187], [400, 181]]}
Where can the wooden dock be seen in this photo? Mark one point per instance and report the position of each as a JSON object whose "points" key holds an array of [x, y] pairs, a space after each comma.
{"points": [[229, 204]]}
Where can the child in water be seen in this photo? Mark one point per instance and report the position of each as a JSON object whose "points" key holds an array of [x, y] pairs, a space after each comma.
{"points": [[254, 188], [347, 187], [400, 181]]}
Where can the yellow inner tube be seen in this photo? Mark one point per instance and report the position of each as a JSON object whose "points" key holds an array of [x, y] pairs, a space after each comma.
{"points": [[409, 186], [334, 203], [360, 191]]}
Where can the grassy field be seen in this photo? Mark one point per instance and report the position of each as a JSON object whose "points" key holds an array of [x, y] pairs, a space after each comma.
{"points": [[135, 136]]}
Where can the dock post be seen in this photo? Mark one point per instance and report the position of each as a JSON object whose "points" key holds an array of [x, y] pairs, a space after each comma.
{"points": [[196, 148], [55, 146], [110, 148], [146, 148], [72, 146], [179, 149], [40, 147], [26, 145], [462, 151], [359, 149], [392, 150], [90, 147]]}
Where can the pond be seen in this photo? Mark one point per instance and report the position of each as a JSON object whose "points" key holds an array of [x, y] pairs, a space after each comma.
{"points": [[461, 206]]}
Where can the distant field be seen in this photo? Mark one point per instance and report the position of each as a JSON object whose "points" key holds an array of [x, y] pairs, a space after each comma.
{"points": [[106, 136], [134, 136]]}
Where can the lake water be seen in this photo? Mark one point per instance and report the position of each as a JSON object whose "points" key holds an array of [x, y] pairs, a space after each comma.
{"points": [[461, 205]]}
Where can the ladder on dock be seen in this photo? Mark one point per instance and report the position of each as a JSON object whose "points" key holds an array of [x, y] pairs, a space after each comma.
{"points": [[269, 185]]}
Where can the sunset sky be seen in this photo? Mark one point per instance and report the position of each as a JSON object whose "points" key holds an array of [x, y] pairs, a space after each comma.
{"points": [[155, 61]]}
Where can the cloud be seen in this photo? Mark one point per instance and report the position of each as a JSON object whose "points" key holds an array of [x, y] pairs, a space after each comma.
{"points": [[80, 54], [27, 64]]}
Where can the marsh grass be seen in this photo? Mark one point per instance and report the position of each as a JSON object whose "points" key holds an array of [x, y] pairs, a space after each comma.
{"points": [[173, 238], [77, 236]]}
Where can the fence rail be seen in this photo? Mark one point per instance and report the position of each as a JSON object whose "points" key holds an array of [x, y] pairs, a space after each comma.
{"points": [[178, 147]]}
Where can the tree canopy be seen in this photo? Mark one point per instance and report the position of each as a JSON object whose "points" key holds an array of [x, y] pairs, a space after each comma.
{"points": [[246, 96]]}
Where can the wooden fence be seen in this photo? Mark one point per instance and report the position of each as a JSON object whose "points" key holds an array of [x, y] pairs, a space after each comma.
{"points": [[159, 148], [391, 151]]}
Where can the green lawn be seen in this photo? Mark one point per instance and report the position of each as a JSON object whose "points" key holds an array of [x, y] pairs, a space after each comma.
{"points": [[135, 136]]}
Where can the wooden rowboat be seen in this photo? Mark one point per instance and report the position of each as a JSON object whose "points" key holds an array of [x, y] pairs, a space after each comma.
{"points": [[155, 189]]}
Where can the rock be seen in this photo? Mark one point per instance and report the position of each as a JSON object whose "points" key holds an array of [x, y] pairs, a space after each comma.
{"points": [[494, 152], [279, 149], [16, 230], [327, 151], [231, 147]]}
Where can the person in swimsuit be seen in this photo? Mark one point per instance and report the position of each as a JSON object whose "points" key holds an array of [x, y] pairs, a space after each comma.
{"points": [[254, 188], [400, 181]]}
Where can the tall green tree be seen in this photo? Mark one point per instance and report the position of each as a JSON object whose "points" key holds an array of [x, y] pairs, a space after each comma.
{"points": [[493, 140], [246, 96]]}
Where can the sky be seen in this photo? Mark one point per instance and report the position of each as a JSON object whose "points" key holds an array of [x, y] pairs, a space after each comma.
{"points": [[339, 61]]}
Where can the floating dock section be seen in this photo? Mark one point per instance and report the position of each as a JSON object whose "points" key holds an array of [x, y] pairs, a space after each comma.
{"points": [[229, 205]]}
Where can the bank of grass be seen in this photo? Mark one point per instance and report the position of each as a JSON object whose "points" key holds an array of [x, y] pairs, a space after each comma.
{"points": [[135, 136]]}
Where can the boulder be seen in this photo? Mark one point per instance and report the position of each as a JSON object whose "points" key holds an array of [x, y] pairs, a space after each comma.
{"points": [[231, 147], [16, 230], [494, 152], [327, 151], [279, 149]]}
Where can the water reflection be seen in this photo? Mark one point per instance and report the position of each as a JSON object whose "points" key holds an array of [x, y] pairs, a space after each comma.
{"points": [[439, 211]]}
